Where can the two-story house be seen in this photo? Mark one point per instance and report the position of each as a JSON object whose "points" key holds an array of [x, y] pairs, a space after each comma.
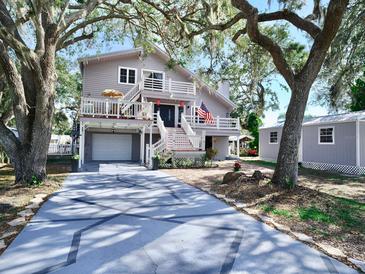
{"points": [[157, 112]]}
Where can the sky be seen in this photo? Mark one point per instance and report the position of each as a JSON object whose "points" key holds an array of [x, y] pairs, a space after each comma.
{"points": [[270, 117]]}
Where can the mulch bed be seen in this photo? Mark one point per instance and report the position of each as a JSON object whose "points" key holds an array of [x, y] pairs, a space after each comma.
{"points": [[328, 219]]}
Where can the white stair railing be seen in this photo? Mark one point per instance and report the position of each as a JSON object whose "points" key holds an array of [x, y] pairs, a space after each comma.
{"points": [[195, 140], [132, 95], [160, 145]]}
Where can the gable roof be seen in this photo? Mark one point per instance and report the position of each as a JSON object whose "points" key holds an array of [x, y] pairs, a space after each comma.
{"points": [[328, 119], [162, 54]]}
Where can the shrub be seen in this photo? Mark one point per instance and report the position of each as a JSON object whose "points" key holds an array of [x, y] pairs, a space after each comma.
{"points": [[252, 152], [211, 153], [243, 152]]}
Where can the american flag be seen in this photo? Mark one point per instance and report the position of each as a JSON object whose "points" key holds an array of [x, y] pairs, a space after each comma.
{"points": [[204, 113]]}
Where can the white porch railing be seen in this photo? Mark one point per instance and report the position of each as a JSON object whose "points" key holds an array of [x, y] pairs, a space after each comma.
{"points": [[169, 86], [116, 108], [56, 149], [217, 123], [195, 140]]}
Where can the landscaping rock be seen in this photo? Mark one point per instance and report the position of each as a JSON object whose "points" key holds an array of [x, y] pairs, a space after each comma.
{"points": [[229, 200], [332, 250], [17, 221], [36, 200], [41, 195], [219, 196], [302, 237], [281, 227], [8, 233], [206, 189], [33, 205], [358, 263], [265, 219], [240, 205], [252, 211], [257, 175], [231, 177], [2, 244], [26, 213]]}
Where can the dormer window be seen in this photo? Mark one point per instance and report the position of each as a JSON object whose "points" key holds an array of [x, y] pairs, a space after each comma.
{"points": [[127, 75]]}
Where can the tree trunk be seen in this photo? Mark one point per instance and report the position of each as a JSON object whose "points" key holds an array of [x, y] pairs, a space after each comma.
{"points": [[28, 152], [286, 171]]}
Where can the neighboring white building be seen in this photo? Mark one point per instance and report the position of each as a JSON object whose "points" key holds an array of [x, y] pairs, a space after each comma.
{"points": [[333, 142], [156, 114]]}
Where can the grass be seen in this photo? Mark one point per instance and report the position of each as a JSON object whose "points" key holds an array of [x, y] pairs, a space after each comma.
{"points": [[278, 212], [314, 214]]}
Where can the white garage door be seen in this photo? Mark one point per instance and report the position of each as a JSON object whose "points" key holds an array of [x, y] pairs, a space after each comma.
{"points": [[111, 147]]}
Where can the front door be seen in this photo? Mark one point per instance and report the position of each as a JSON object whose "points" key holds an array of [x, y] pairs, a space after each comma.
{"points": [[167, 113]]}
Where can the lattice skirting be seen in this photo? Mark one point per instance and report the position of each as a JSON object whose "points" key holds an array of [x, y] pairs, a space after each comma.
{"points": [[353, 170]]}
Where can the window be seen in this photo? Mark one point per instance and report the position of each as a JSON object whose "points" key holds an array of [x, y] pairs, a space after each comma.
{"points": [[273, 137], [127, 76], [153, 79], [326, 135]]}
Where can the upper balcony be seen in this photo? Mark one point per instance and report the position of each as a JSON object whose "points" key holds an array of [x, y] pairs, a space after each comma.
{"points": [[167, 89], [115, 108]]}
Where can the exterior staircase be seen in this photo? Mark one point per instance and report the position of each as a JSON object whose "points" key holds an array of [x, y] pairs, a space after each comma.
{"points": [[178, 140]]}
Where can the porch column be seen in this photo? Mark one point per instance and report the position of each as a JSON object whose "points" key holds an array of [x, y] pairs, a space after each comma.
{"points": [[81, 145], [238, 146], [142, 149]]}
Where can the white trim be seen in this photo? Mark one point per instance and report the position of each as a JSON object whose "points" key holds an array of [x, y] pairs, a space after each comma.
{"points": [[357, 142], [333, 135], [152, 70], [277, 138], [128, 69], [300, 149]]}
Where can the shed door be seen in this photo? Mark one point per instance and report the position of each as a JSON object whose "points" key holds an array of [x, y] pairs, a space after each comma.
{"points": [[112, 147]]}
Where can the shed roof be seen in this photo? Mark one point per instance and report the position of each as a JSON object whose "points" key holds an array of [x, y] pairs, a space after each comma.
{"points": [[328, 119]]}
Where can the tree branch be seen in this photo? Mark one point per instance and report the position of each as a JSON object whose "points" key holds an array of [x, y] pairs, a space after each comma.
{"points": [[75, 40], [251, 15], [312, 29], [220, 27], [332, 22], [16, 85], [8, 22]]}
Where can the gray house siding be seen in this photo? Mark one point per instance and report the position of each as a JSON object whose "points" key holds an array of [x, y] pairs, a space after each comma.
{"points": [[342, 152], [213, 104], [88, 144], [362, 143], [103, 74], [269, 151]]}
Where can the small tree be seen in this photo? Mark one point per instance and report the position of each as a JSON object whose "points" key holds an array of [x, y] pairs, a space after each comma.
{"points": [[253, 124], [358, 95]]}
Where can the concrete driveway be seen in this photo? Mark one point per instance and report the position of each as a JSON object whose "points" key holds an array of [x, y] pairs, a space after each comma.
{"points": [[126, 219]]}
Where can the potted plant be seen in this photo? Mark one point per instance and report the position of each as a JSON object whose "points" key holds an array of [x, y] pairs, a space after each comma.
{"points": [[155, 162], [75, 162]]}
